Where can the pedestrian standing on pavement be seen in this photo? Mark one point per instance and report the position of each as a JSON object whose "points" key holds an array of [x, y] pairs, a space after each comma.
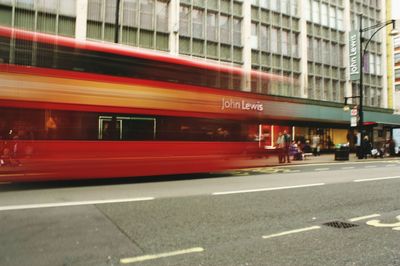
{"points": [[315, 144], [286, 139], [366, 147], [280, 144]]}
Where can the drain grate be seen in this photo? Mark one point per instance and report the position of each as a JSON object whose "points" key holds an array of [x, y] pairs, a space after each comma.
{"points": [[340, 225]]}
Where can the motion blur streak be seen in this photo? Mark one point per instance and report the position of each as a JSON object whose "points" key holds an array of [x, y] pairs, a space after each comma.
{"points": [[71, 110]]}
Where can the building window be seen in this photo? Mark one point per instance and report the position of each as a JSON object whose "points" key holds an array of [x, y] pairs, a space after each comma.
{"points": [[285, 42], [285, 9], [184, 21], [94, 10], [326, 52], [318, 88], [130, 11], [211, 26], [25, 3], [264, 38], [371, 63], [146, 14], [378, 68], [367, 95], [397, 73], [378, 96], [144, 23], [324, 14], [274, 5], [332, 17], [225, 29], [198, 22], [274, 40], [110, 11], [211, 33], [293, 7], [264, 4], [254, 36], [341, 56], [315, 12], [237, 31], [317, 49], [327, 91], [308, 10], [310, 49], [372, 96], [67, 8], [335, 91], [51, 16], [162, 16], [340, 19], [396, 42], [334, 54], [397, 58]]}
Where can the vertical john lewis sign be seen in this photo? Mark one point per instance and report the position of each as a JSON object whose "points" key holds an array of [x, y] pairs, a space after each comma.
{"points": [[354, 52]]}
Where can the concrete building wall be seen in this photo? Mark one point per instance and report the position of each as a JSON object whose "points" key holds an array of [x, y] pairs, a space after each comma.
{"points": [[306, 40]]}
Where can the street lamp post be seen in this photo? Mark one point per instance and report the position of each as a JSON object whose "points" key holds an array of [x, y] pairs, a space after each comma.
{"points": [[378, 27]]}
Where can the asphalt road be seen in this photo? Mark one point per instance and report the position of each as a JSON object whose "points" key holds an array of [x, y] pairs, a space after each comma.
{"points": [[271, 216]]}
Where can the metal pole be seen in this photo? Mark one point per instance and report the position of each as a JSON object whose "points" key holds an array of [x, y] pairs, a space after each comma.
{"points": [[361, 92], [116, 34]]}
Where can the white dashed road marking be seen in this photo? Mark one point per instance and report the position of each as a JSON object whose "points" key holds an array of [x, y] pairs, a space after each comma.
{"points": [[292, 232], [161, 255], [265, 189], [67, 204], [364, 217], [376, 179]]}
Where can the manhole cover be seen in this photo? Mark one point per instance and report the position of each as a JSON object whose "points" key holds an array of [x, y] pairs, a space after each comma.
{"points": [[340, 225]]}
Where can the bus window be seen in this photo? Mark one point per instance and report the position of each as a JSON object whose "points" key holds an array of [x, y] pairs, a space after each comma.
{"points": [[45, 55], [110, 128], [126, 128], [23, 52], [137, 128], [4, 49]]}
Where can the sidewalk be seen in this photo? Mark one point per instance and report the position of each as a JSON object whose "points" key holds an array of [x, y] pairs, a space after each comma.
{"points": [[330, 158]]}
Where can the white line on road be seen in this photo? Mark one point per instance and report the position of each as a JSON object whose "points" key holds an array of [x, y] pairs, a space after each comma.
{"points": [[364, 217], [390, 165], [161, 255], [265, 189], [370, 166], [67, 204], [349, 167], [293, 232], [376, 179], [294, 171], [321, 169]]}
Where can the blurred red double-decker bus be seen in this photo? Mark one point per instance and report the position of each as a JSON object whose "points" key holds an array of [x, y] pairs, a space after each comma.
{"points": [[72, 110]]}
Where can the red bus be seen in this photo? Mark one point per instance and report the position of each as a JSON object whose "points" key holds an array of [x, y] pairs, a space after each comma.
{"points": [[72, 110]]}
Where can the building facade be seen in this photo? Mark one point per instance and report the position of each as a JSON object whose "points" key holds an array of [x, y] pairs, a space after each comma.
{"points": [[306, 40], [302, 39], [393, 58], [396, 77]]}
